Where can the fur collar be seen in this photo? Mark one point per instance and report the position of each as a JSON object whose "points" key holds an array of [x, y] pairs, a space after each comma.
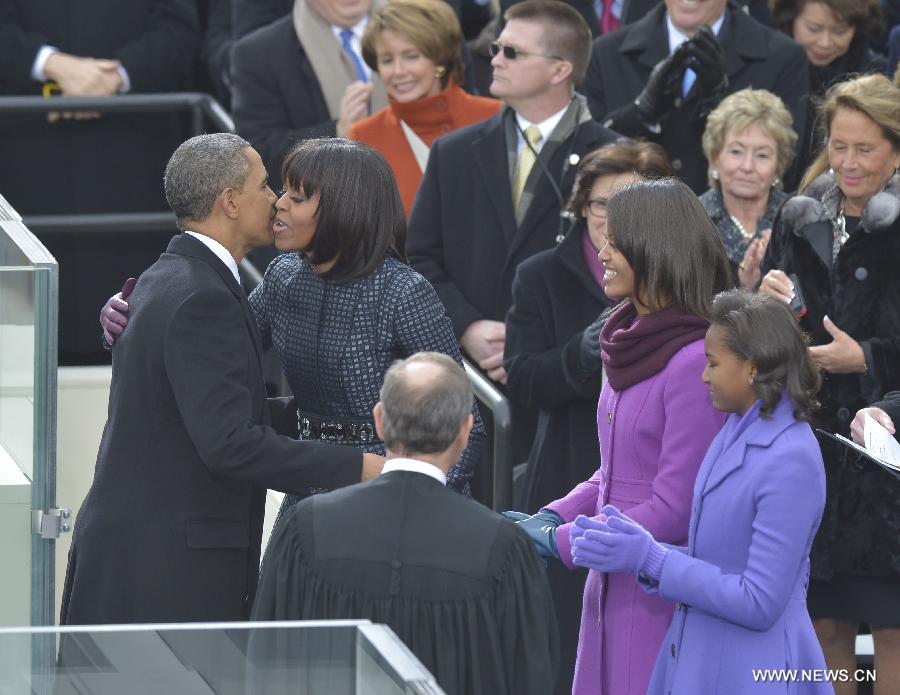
{"points": [[822, 199]]}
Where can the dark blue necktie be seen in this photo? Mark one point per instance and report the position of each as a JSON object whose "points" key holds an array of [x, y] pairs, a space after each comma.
{"points": [[346, 42]]}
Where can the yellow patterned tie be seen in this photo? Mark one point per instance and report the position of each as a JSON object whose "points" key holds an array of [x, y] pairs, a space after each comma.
{"points": [[526, 162]]}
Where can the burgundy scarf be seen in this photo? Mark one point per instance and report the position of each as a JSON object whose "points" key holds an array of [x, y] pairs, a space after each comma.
{"points": [[635, 348]]}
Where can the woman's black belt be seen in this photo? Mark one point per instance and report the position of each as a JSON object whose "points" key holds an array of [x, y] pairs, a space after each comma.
{"points": [[337, 430]]}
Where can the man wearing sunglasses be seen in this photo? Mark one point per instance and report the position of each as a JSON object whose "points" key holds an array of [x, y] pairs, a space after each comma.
{"points": [[480, 210]]}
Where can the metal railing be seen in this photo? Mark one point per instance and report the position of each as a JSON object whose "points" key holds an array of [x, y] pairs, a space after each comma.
{"points": [[203, 109], [490, 397], [201, 106]]}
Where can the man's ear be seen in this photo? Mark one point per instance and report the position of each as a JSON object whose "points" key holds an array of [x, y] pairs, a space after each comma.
{"points": [[562, 72], [462, 438], [378, 414], [227, 201]]}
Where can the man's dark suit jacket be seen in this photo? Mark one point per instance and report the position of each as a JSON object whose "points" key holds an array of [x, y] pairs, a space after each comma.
{"points": [[276, 98], [756, 56], [171, 527], [462, 230], [460, 585]]}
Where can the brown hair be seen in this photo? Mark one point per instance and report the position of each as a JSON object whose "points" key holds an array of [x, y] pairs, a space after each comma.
{"points": [[874, 96], [672, 246], [430, 25], [745, 108], [865, 16], [763, 330], [565, 33], [360, 217], [624, 156]]}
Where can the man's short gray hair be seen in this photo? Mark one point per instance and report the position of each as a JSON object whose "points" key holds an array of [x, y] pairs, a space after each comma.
{"points": [[200, 169], [422, 412]]}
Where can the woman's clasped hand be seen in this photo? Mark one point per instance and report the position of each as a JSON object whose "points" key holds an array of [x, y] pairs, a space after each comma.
{"points": [[616, 544]]}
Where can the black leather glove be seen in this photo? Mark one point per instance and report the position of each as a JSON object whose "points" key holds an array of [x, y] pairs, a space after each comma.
{"points": [[706, 57], [663, 87], [589, 357]]}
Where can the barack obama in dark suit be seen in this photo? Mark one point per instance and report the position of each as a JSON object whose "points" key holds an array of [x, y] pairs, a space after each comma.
{"points": [[171, 528]]}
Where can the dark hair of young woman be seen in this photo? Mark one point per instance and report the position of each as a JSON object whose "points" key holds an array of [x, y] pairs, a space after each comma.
{"points": [[361, 216], [672, 246], [762, 329]]}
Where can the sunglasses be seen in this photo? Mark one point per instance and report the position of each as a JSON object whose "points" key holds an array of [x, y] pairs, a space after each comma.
{"points": [[511, 52]]}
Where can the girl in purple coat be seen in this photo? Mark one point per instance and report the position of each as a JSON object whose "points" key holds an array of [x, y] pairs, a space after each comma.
{"points": [[664, 258], [741, 581]]}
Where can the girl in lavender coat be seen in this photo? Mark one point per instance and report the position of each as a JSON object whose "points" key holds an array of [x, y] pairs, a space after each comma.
{"points": [[655, 418], [741, 581]]}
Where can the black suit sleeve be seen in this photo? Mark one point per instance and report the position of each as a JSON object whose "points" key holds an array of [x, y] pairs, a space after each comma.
{"points": [[540, 373], [891, 405], [162, 57], [425, 245], [18, 49], [623, 120], [259, 105], [206, 355], [216, 49]]}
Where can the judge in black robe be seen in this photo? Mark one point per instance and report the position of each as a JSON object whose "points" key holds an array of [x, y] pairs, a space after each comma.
{"points": [[460, 585]]}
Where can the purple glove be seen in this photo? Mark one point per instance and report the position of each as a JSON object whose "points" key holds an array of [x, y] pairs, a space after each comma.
{"points": [[114, 314], [619, 544]]}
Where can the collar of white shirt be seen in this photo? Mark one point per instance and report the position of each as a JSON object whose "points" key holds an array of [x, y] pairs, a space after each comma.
{"points": [[414, 466], [220, 251], [358, 29], [676, 38], [546, 127]]}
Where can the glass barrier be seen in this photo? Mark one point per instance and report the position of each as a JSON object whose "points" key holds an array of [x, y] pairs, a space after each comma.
{"points": [[28, 322], [340, 657]]}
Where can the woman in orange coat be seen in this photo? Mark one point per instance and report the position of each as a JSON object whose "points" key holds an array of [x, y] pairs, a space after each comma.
{"points": [[415, 46]]}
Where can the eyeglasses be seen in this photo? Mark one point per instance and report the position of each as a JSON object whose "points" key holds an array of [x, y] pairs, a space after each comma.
{"points": [[597, 207], [511, 52]]}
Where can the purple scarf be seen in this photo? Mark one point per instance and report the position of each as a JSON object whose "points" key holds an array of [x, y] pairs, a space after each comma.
{"points": [[635, 348]]}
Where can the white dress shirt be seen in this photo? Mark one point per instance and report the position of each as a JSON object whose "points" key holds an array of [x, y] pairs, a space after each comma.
{"points": [[414, 466], [221, 253], [546, 127]]}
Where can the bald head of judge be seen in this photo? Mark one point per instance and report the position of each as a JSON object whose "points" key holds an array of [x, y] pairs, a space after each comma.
{"points": [[425, 411]]}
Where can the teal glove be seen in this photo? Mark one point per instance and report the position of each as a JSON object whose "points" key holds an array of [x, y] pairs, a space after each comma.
{"points": [[541, 527]]}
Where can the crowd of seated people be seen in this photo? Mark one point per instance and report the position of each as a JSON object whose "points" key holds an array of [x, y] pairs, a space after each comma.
{"points": [[759, 142]]}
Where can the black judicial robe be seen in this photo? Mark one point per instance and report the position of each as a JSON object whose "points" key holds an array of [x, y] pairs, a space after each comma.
{"points": [[460, 585]]}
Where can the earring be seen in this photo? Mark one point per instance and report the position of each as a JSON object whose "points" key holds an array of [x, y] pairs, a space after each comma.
{"points": [[440, 71], [776, 182], [715, 174]]}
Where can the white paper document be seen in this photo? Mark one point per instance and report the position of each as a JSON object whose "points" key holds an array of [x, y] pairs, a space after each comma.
{"points": [[881, 447], [880, 443]]}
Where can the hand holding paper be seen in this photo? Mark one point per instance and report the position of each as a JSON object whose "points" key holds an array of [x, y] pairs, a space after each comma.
{"points": [[858, 424]]}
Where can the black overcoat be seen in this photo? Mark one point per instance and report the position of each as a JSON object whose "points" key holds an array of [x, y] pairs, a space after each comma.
{"points": [[460, 585], [860, 293], [756, 56], [171, 527], [555, 298], [276, 99], [462, 229]]}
